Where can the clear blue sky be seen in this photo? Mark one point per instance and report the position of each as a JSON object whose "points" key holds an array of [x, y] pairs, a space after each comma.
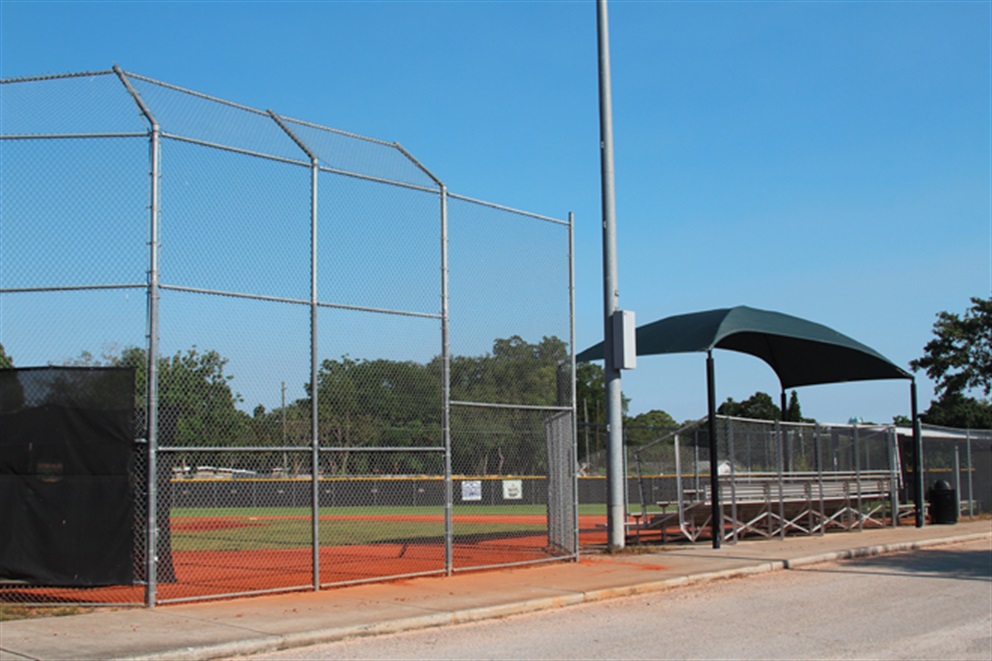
{"points": [[830, 160]]}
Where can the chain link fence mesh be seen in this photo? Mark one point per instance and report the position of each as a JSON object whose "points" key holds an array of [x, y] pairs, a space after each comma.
{"points": [[346, 355], [674, 469]]}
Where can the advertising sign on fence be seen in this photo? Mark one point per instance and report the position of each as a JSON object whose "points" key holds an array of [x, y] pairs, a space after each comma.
{"points": [[472, 490], [513, 489]]}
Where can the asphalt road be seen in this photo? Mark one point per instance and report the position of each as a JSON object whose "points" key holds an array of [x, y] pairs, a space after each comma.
{"points": [[922, 605]]}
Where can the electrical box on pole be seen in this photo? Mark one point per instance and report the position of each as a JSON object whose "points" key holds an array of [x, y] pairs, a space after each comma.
{"points": [[624, 340]]}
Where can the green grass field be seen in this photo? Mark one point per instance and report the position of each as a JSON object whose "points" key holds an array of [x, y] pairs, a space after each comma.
{"points": [[241, 529], [411, 510]]}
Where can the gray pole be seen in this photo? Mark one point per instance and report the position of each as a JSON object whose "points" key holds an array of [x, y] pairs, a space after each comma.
{"points": [[573, 392], [449, 527], [917, 456], [151, 386], [314, 390], [971, 489], [616, 517], [151, 408]]}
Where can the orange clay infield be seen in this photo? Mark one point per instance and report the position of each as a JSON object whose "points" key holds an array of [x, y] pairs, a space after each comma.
{"points": [[203, 574]]}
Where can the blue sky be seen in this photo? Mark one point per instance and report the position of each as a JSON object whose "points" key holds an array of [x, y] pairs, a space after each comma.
{"points": [[830, 160]]}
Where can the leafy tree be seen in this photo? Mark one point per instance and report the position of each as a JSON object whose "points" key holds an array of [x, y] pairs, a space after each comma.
{"points": [[646, 427], [376, 403], [952, 410], [11, 393], [959, 360], [758, 406], [195, 397], [515, 372], [6, 362], [793, 412], [959, 357]]}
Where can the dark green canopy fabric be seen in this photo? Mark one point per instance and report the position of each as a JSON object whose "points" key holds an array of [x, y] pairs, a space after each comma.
{"points": [[801, 352]]}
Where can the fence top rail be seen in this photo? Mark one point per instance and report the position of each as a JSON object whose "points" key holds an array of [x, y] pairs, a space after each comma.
{"points": [[806, 475], [936, 432], [500, 207], [56, 76]]}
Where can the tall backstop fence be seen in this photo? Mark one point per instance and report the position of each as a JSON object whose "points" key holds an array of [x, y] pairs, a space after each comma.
{"points": [[342, 371]]}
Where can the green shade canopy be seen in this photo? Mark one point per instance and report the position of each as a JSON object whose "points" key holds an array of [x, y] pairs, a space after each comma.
{"points": [[801, 352]]}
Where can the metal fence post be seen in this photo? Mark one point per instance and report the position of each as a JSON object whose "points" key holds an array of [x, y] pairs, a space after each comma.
{"points": [[572, 384], [780, 439], [733, 477], [957, 479], [971, 472], [857, 474], [314, 389], [151, 402], [893, 447], [817, 449], [151, 554], [446, 390]]}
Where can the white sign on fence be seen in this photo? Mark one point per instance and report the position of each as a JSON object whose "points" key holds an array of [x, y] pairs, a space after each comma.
{"points": [[513, 489], [472, 490]]}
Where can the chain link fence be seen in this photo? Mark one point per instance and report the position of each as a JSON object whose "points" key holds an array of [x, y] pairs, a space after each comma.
{"points": [[870, 468], [343, 372], [962, 459]]}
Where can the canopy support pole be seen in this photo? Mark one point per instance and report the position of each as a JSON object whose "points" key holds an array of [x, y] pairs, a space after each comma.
{"points": [[716, 516], [917, 456]]}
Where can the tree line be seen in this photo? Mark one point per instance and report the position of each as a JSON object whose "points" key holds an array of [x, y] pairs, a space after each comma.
{"points": [[361, 403], [382, 403]]}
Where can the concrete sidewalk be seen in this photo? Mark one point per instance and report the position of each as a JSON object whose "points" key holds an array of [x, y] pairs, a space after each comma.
{"points": [[238, 627]]}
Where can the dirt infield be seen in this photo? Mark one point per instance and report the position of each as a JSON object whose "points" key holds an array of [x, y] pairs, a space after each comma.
{"points": [[204, 574]]}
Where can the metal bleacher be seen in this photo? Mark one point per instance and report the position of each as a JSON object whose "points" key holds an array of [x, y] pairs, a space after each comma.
{"points": [[780, 502]]}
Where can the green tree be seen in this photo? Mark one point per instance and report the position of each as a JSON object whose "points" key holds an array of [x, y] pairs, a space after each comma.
{"points": [[377, 403], [794, 412], [6, 362], [196, 402], [959, 360], [649, 426], [11, 392], [959, 357], [952, 410], [758, 406], [500, 441]]}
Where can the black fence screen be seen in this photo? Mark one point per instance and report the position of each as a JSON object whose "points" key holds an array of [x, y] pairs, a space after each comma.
{"points": [[66, 449]]}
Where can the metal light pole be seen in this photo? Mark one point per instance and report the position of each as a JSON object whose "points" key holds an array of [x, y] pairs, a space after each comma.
{"points": [[616, 516]]}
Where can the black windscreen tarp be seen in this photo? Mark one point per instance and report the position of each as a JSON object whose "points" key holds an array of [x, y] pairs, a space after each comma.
{"points": [[66, 450]]}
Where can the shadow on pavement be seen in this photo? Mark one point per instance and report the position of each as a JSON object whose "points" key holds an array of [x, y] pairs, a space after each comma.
{"points": [[951, 563]]}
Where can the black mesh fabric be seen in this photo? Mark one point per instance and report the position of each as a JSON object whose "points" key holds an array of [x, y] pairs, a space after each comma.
{"points": [[66, 449]]}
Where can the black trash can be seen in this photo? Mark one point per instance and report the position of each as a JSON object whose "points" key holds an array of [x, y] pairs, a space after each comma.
{"points": [[943, 503]]}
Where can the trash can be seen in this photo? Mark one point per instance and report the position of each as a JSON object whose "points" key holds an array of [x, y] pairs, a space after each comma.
{"points": [[943, 503]]}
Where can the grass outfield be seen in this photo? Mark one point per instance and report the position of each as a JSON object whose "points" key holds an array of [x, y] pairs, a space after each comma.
{"points": [[245, 529], [248, 529], [380, 511]]}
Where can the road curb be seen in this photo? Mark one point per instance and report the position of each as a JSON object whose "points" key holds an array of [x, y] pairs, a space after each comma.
{"points": [[275, 643]]}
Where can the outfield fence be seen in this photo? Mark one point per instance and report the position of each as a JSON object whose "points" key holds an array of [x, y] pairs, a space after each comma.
{"points": [[317, 330]]}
